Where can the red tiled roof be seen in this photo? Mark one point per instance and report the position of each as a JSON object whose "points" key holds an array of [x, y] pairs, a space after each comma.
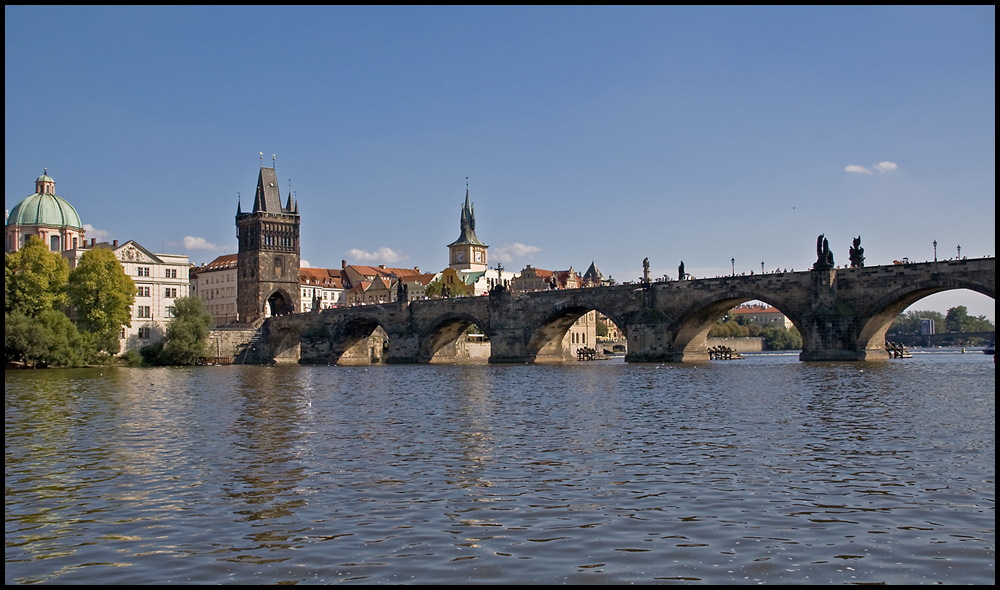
{"points": [[378, 271], [329, 277], [223, 262], [423, 279]]}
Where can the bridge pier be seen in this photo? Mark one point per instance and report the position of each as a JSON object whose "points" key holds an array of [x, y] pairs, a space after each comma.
{"points": [[652, 343], [830, 328], [509, 346], [404, 348]]}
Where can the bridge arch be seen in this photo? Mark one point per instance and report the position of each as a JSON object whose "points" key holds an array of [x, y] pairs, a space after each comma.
{"points": [[351, 341], [278, 303], [446, 330], [690, 332], [874, 321], [546, 338]]}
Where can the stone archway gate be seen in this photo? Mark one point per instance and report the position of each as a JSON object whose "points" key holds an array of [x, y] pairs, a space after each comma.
{"points": [[842, 314]]}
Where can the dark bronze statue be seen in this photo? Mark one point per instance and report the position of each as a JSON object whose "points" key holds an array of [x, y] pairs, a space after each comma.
{"points": [[680, 271], [824, 257], [857, 254]]}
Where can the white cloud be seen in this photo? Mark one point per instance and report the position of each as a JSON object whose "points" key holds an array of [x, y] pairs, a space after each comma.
{"points": [[507, 252], [383, 255], [93, 232], [193, 243], [303, 263], [882, 167]]}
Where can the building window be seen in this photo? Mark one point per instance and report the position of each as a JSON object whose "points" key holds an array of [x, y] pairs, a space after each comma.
{"points": [[143, 311], [169, 312], [143, 292], [142, 271], [54, 243], [145, 332], [170, 292]]}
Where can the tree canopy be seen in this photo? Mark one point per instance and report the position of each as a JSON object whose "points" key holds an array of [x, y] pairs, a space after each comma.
{"points": [[49, 339], [957, 319], [38, 286], [34, 279], [186, 335], [102, 296]]}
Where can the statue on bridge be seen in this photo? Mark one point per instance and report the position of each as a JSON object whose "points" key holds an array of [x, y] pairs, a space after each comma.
{"points": [[498, 287], [824, 257], [645, 270], [857, 254], [680, 271]]}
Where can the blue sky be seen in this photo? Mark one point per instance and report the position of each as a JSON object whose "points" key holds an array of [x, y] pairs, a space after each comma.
{"points": [[587, 134]]}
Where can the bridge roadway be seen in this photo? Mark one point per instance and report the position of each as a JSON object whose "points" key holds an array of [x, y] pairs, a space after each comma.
{"points": [[842, 315]]}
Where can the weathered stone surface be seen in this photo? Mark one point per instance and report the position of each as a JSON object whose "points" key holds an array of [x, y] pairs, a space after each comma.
{"points": [[842, 314]]}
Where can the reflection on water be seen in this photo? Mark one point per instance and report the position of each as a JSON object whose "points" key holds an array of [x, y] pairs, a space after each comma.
{"points": [[765, 469]]}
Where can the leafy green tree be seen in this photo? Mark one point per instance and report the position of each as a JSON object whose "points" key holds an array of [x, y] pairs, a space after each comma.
{"points": [[433, 289], [778, 338], [909, 322], [957, 319], [102, 296], [49, 339], [979, 324], [34, 279], [187, 333]]}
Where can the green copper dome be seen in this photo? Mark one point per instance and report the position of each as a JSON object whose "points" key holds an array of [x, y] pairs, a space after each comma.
{"points": [[45, 208]]}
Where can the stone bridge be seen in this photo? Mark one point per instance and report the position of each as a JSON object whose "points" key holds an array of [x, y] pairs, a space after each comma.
{"points": [[842, 314]]}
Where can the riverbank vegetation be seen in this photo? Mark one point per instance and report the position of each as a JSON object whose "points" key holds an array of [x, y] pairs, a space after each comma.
{"points": [[956, 327], [62, 318], [186, 336], [55, 317], [775, 337]]}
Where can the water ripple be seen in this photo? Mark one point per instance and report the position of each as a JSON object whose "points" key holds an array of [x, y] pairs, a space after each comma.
{"points": [[764, 470]]}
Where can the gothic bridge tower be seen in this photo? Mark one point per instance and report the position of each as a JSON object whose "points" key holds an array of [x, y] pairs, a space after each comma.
{"points": [[268, 260]]}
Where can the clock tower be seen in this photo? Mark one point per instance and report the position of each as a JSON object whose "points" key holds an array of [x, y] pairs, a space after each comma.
{"points": [[467, 253]]}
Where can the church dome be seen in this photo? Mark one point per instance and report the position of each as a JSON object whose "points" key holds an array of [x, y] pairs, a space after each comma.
{"points": [[45, 208]]}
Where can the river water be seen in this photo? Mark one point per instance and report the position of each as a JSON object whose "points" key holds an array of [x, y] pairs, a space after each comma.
{"points": [[765, 469]]}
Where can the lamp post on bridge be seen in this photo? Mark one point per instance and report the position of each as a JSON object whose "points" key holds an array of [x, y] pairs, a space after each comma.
{"points": [[935, 250], [734, 266], [761, 267]]}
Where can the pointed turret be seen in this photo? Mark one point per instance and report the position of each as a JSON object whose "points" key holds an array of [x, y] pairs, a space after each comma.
{"points": [[593, 276], [268, 197], [468, 225]]}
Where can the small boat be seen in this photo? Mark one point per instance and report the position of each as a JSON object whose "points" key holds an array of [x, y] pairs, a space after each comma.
{"points": [[991, 348]]}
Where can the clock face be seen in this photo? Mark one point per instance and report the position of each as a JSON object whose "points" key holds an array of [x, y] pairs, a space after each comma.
{"points": [[460, 256], [479, 255]]}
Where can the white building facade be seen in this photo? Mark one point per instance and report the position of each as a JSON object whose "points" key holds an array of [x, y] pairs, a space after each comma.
{"points": [[160, 279], [215, 284]]}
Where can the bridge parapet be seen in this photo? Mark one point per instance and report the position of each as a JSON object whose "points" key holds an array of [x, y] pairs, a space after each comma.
{"points": [[842, 314]]}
